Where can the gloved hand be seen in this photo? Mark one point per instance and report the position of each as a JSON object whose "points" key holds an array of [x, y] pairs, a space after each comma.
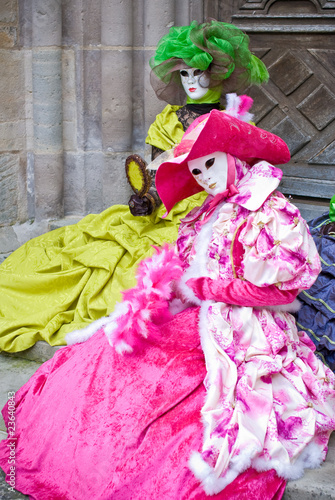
{"points": [[140, 206], [240, 293]]}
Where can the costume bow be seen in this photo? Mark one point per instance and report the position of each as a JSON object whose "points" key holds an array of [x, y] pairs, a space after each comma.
{"points": [[230, 191]]}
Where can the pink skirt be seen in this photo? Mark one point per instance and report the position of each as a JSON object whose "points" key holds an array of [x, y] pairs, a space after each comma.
{"points": [[91, 424]]}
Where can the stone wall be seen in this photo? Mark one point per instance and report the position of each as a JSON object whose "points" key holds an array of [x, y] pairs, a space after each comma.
{"points": [[75, 100]]}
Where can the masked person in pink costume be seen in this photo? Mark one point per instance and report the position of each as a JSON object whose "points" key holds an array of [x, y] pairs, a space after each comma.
{"points": [[199, 383]]}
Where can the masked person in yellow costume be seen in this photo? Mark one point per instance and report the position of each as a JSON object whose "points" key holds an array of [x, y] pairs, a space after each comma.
{"points": [[65, 279]]}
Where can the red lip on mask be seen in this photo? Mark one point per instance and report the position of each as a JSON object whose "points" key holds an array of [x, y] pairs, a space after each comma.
{"points": [[192, 89]]}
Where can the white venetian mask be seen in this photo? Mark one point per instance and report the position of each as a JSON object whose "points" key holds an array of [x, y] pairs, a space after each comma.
{"points": [[195, 82], [211, 172]]}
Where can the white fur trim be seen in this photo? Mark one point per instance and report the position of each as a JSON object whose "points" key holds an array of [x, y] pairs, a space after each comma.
{"points": [[198, 267], [292, 307], [210, 483], [122, 347], [78, 336], [310, 458], [213, 484]]}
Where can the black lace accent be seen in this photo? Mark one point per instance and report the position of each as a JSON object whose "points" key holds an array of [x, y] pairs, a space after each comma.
{"points": [[155, 152], [187, 114]]}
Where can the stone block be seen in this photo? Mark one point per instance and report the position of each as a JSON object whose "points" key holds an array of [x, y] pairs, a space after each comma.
{"points": [[94, 181], [12, 86], [117, 91], [182, 13], [25, 22], [22, 189], [48, 172], [67, 221], [9, 167], [72, 23], [139, 131], [30, 184], [12, 136], [138, 23], [69, 101], [29, 230], [116, 189], [8, 240], [8, 37], [28, 94], [152, 105], [47, 95], [92, 19], [92, 99], [74, 184], [115, 23], [159, 16], [8, 11], [46, 23]]}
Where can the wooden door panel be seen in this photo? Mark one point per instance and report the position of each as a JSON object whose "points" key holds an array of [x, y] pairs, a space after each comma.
{"points": [[296, 41]]}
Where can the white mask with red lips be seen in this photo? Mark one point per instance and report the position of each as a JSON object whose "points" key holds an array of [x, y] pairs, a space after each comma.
{"points": [[211, 172], [195, 82]]}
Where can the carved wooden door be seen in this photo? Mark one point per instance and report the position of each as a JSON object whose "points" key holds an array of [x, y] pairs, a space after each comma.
{"points": [[296, 41]]}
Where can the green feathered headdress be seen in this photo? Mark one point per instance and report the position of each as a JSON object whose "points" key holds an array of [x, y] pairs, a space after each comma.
{"points": [[220, 49]]}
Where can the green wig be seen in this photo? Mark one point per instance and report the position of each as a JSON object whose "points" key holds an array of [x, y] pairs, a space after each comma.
{"points": [[220, 49]]}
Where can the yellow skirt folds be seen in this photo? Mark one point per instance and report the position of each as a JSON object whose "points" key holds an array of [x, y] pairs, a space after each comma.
{"points": [[65, 279]]}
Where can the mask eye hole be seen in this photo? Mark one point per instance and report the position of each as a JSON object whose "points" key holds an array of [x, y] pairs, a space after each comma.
{"points": [[183, 72], [197, 72], [209, 163], [196, 171]]}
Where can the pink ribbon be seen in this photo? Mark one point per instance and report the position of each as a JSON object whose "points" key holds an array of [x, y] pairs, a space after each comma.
{"points": [[232, 189]]}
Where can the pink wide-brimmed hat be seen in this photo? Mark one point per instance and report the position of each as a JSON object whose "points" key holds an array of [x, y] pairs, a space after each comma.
{"points": [[208, 134]]}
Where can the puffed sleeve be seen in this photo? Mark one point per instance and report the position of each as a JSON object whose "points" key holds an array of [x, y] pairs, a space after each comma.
{"points": [[278, 248], [166, 131]]}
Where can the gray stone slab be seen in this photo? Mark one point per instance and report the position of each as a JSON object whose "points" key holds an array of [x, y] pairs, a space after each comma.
{"points": [[47, 93], [72, 22], [47, 22], [91, 14], [12, 95], [139, 131], [115, 18], [94, 181], [48, 186], [25, 22], [8, 239], [39, 352], [310, 211], [138, 23], [116, 93], [159, 16], [14, 373], [116, 189], [8, 11], [92, 99], [5, 492], [67, 221], [316, 483], [9, 170], [74, 183], [69, 101]]}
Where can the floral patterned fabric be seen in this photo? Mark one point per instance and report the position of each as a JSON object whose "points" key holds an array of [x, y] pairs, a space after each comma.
{"points": [[270, 402]]}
